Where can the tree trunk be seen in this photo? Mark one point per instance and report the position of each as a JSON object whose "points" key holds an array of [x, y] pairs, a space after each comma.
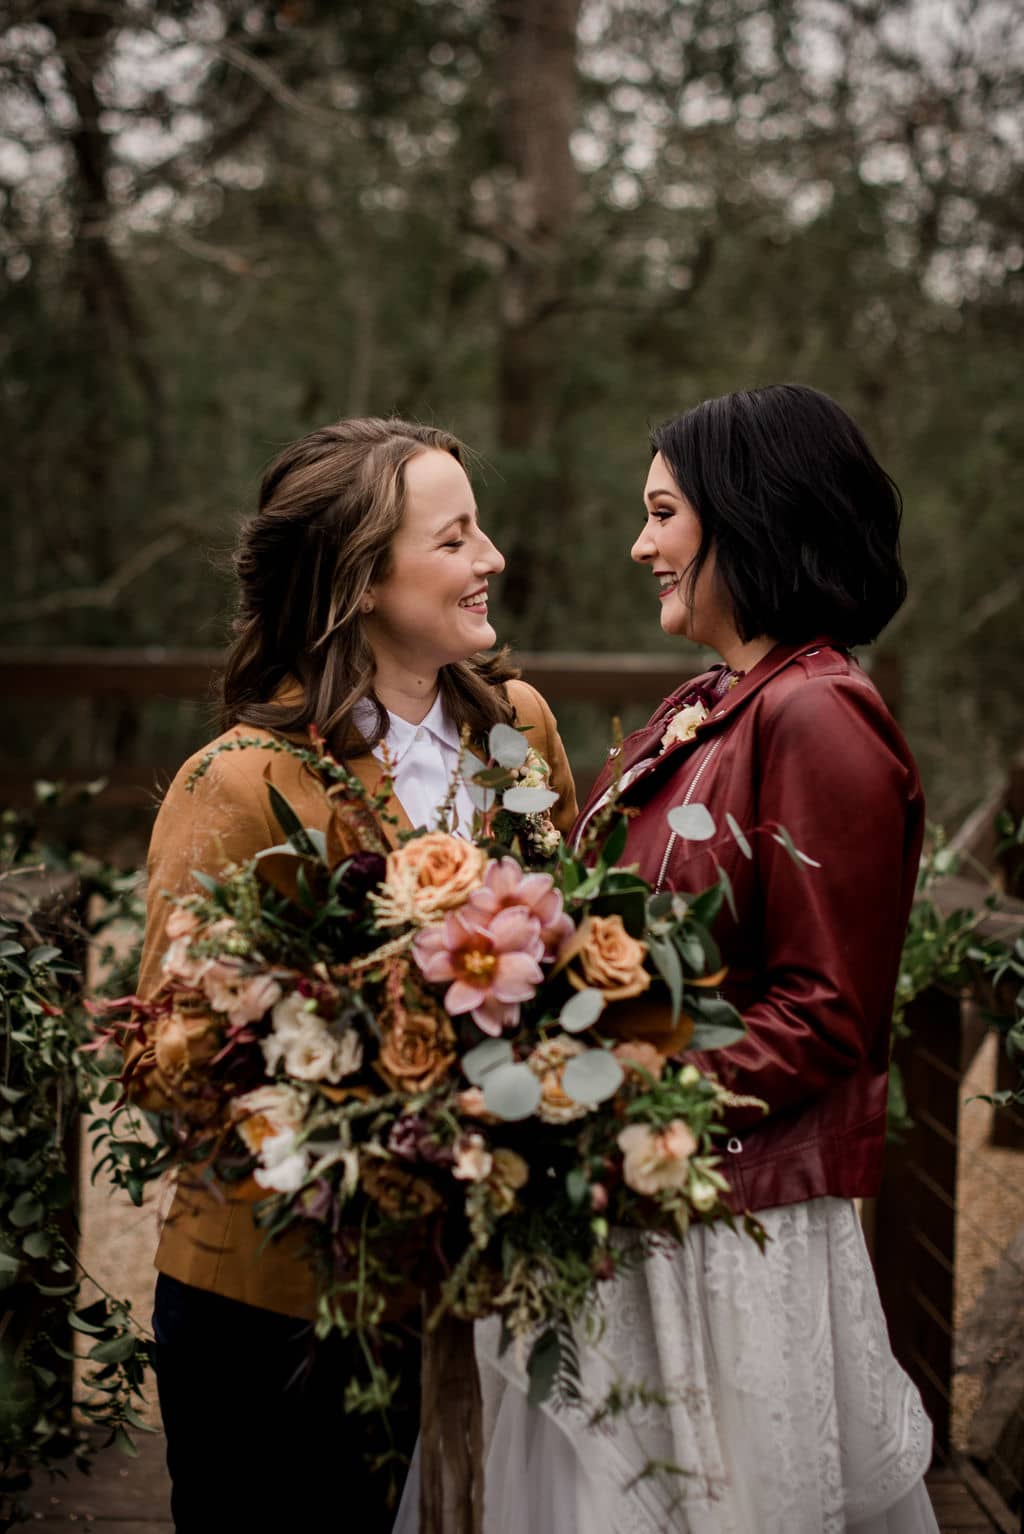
{"points": [[538, 112], [110, 329]]}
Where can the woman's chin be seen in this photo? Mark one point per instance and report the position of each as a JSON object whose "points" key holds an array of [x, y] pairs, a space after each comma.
{"points": [[478, 634]]}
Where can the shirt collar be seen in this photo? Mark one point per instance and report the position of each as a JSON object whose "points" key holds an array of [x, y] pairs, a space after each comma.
{"points": [[401, 733]]}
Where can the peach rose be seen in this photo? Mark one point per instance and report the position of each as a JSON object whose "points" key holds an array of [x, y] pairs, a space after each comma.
{"points": [[656, 1160], [418, 1050], [610, 961], [183, 1042], [636, 1052], [429, 875]]}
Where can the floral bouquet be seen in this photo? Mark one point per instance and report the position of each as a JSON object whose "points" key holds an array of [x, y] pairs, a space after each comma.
{"points": [[453, 1064]]}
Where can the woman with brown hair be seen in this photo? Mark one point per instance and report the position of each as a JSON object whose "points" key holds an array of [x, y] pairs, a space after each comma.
{"points": [[363, 611]]}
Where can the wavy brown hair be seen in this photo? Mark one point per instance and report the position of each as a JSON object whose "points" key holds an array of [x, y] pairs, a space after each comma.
{"points": [[329, 508]]}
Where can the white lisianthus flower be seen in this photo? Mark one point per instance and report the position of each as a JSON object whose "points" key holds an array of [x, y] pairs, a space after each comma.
{"points": [[283, 1166], [266, 1112], [683, 725], [304, 1042], [310, 1055]]}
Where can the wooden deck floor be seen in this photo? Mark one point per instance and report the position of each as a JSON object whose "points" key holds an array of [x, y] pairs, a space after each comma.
{"points": [[130, 1496]]}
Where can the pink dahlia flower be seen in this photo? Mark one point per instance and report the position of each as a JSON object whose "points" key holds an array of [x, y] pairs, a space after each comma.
{"points": [[493, 963], [505, 884]]}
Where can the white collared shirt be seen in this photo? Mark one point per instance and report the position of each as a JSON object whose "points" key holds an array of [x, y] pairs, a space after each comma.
{"points": [[423, 758]]}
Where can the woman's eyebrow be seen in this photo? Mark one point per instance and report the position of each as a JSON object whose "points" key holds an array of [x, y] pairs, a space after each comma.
{"points": [[462, 520], [649, 495]]}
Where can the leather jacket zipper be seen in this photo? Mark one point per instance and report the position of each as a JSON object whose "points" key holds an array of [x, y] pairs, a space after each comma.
{"points": [[694, 781]]}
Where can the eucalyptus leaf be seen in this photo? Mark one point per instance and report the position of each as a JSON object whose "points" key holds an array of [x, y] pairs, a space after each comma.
{"points": [[542, 1366], [79, 1324], [42, 955], [664, 955], [784, 839], [482, 798], [717, 1024], [581, 1011], [693, 822], [115, 1350], [714, 1035], [26, 1210], [8, 948], [592, 1077], [508, 747], [528, 801], [738, 836], [725, 884], [484, 1057], [36, 1243], [511, 1091]]}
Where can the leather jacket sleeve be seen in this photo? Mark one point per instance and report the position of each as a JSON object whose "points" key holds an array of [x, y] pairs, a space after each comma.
{"points": [[831, 774]]}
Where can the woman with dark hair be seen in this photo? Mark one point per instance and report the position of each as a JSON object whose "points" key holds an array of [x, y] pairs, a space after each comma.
{"points": [[766, 1381], [362, 611]]}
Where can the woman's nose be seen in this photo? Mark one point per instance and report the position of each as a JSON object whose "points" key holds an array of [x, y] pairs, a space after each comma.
{"points": [[643, 549], [490, 559]]}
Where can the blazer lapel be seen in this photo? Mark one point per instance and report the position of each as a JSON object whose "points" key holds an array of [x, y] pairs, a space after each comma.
{"points": [[370, 772]]}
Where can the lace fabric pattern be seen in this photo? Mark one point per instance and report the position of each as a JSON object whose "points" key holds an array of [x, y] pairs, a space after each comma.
{"points": [[768, 1384]]}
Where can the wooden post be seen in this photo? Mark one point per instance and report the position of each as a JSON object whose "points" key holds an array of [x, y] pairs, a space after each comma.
{"points": [[451, 1429], [1008, 1123], [915, 1214]]}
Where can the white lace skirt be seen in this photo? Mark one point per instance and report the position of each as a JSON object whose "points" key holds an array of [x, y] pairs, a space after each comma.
{"points": [[771, 1401]]}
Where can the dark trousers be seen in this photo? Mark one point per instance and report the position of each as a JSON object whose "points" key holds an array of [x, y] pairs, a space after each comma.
{"points": [[257, 1434]]}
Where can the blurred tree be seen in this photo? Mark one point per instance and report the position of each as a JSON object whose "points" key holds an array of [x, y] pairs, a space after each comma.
{"points": [[546, 225]]}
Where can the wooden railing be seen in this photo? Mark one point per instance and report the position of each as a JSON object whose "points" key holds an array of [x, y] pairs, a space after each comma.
{"points": [[915, 1223], [125, 683]]}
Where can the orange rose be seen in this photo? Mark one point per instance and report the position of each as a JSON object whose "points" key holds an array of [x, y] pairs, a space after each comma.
{"points": [[418, 1050], [610, 961], [429, 875]]}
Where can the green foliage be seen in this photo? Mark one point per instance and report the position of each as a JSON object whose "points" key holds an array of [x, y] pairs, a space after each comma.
{"points": [[946, 950], [45, 1083]]}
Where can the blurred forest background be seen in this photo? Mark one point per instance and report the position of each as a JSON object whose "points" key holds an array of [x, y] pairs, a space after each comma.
{"points": [[546, 224]]}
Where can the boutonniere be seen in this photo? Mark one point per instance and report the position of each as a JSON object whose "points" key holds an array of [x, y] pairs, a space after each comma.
{"points": [[683, 725]]}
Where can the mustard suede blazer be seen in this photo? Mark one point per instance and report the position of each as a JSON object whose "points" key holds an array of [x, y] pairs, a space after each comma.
{"points": [[209, 1238]]}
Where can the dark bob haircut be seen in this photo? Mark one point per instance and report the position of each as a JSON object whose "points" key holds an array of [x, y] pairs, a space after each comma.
{"points": [[803, 521]]}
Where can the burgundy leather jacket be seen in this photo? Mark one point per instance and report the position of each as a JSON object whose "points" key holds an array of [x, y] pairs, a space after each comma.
{"points": [[803, 741]]}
